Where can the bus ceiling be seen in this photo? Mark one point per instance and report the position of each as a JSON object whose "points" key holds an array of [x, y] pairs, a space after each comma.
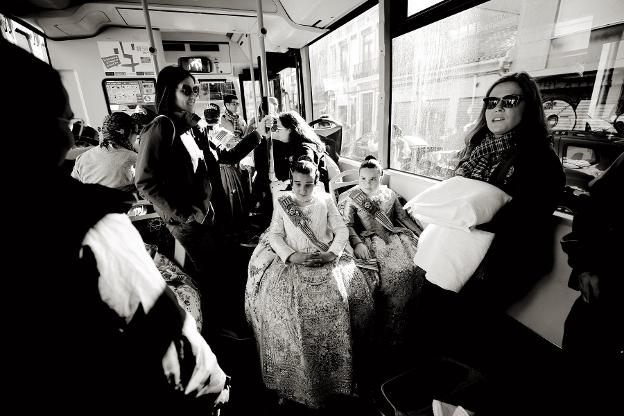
{"points": [[289, 23]]}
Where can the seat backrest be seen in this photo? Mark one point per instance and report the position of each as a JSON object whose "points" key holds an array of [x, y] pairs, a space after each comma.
{"points": [[332, 167], [338, 182]]}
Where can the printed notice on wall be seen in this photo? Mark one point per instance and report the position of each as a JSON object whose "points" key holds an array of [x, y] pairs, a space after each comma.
{"points": [[126, 58]]}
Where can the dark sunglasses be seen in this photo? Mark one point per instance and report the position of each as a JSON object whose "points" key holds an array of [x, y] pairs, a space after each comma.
{"points": [[508, 101], [188, 90]]}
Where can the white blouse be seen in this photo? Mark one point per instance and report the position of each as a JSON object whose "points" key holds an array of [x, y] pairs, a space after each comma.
{"points": [[324, 220]]}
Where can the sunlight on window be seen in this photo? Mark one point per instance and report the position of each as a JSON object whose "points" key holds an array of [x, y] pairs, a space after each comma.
{"points": [[345, 82], [441, 72]]}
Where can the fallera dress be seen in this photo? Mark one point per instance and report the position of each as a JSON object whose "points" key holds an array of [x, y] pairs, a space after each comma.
{"points": [[311, 324], [378, 222]]}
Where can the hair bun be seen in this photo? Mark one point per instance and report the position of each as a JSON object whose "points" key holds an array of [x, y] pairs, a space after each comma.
{"points": [[370, 157]]}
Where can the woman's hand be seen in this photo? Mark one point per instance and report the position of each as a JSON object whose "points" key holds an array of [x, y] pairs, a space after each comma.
{"points": [[361, 251], [261, 128], [589, 285]]}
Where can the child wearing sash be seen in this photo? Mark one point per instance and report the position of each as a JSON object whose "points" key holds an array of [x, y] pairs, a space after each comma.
{"points": [[380, 228], [308, 303]]}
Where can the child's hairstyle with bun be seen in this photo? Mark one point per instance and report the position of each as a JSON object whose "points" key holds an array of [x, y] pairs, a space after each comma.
{"points": [[371, 162]]}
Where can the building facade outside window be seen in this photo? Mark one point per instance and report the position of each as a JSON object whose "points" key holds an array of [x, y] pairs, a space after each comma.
{"points": [[573, 48], [345, 74]]}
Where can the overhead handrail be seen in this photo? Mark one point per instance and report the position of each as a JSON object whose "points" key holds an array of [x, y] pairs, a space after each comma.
{"points": [[148, 27]]}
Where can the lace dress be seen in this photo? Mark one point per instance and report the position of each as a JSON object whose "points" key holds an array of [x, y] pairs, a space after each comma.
{"points": [[309, 322], [394, 247]]}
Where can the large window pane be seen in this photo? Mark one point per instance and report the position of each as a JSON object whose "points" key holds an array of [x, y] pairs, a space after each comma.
{"points": [[344, 69], [573, 48]]}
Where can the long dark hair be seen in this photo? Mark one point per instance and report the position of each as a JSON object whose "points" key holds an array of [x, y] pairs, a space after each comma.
{"points": [[166, 85], [532, 128], [300, 131]]}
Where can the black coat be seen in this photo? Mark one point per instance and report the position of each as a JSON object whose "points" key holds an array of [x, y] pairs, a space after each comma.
{"points": [[165, 176], [522, 249]]}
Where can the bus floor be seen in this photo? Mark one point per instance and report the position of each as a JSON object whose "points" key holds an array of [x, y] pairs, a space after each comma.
{"points": [[237, 354], [527, 373]]}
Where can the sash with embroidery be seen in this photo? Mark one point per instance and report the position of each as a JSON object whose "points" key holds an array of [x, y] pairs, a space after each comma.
{"points": [[363, 201], [300, 221]]}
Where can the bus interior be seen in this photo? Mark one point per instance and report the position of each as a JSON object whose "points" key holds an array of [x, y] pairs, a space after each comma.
{"points": [[402, 80]]}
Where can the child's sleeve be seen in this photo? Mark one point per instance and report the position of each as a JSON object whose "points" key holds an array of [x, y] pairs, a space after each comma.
{"points": [[277, 235], [349, 218], [403, 217], [337, 225]]}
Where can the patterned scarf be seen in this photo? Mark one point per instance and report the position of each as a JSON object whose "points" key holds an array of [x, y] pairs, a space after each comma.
{"points": [[479, 162], [234, 119]]}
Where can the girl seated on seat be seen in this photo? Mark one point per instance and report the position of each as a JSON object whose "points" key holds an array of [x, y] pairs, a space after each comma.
{"points": [[380, 228], [310, 306]]}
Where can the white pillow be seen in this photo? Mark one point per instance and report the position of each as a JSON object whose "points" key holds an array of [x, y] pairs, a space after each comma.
{"points": [[458, 203], [450, 256]]}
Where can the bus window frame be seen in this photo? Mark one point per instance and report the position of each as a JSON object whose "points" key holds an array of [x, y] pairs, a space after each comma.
{"points": [[402, 24]]}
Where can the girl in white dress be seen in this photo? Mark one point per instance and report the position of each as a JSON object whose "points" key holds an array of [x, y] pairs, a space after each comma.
{"points": [[310, 306]]}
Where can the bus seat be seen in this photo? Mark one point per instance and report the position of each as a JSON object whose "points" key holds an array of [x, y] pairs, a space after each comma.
{"points": [[338, 182], [332, 168]]}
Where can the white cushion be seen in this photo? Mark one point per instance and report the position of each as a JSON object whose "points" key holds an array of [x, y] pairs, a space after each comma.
{"points": [[450, 256], [458, 203]]}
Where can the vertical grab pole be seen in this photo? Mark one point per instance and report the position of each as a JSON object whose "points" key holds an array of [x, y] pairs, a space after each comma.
{"points": [[264, 79], [253, 80], [255, 99], [148, 27]]}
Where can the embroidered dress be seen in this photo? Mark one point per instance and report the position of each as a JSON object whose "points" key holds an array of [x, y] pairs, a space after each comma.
{"points": [[310, 323], [236, 186], [373, 221]]}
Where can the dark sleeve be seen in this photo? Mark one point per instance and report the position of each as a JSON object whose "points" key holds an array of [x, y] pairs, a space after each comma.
{"points": [[537, 190], [242, 149], [151, 169], [594, 245], [403, 218], [261, 163], [349, 216]]}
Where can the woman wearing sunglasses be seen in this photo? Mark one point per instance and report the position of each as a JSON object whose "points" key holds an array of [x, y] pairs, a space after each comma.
{"points": [[510, 147], [178, 171]]}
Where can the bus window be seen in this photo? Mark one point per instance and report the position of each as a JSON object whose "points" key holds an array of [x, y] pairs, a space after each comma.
{"points": [[344, 69], [441, 71]]}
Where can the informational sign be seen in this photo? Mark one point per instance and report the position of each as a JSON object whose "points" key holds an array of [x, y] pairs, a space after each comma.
{"points": [[126, 58], [130, 92]]}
